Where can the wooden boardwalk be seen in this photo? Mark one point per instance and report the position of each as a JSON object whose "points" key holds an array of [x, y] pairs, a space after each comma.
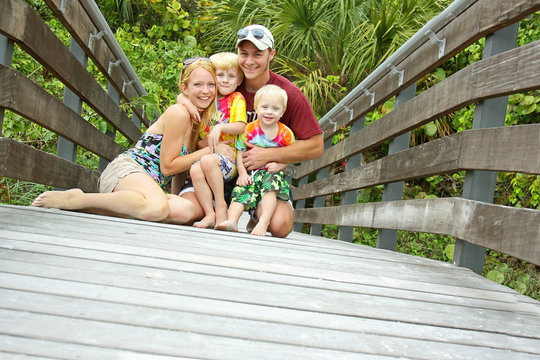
{"points": [[80, 286]]}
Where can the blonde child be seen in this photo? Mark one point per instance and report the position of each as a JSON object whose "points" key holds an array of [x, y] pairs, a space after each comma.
{"points": [[265, 185], [209, 174]]}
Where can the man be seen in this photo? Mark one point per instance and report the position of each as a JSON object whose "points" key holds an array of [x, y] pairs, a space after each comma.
{"points": [[256, 51]]}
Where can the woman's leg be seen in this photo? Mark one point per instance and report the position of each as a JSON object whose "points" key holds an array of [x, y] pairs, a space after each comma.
{"points": [[136, 195]]}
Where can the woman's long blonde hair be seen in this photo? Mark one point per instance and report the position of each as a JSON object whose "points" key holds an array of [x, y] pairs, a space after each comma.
{"points": [[210, 112]]}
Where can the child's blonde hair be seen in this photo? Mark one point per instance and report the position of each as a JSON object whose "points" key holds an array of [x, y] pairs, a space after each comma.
{"points": [[226, 61], [272, 91]]}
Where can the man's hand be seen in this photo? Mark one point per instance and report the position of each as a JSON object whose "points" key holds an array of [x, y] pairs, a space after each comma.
{"points": [[255, 157], [192, 109]]}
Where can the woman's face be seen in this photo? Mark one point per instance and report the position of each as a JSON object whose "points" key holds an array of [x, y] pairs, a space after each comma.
{"points": [[201, 88]]}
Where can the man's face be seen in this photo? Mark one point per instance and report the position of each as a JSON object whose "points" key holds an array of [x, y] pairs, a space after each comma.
{"points": [[254, 62]]}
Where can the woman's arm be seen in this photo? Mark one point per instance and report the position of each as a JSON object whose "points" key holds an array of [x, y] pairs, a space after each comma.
{"points": [[176, 132]]}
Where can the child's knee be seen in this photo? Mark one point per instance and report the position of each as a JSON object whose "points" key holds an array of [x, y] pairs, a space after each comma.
{"points": [[195, 170], [209, 162]]}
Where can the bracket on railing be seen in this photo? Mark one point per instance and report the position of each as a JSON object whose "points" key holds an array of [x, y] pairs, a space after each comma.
{"points": [[93, 37], [126, 84], [370, 94], [350, 111], [113, 64], [63, 5], [435, 40], [399, 73]]}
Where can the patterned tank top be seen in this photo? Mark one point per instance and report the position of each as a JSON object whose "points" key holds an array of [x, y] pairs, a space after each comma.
{"points": [[146, 152]]}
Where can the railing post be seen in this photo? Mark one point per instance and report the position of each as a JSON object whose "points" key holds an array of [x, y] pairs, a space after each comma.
{"points": [[300, 204], [115, 96], [320, 200], [351, 197], [65, 148], [480, 185], [387, 238], [6, 56]]}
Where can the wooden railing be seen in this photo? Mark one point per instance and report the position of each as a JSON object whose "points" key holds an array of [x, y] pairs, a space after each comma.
{"points": [[91, 38], [481, 152]]}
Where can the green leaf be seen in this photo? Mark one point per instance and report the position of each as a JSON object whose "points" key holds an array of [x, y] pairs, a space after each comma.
{"points": [[496, 276], [430, 129], [521, 287], [529, 109], [449, 251]]}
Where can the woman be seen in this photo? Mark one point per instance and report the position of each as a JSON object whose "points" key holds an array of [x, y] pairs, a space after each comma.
{"points": [[131, 185]]}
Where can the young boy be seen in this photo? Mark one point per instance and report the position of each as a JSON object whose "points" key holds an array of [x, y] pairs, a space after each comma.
{"points": [[265, 185], [208, 175]]}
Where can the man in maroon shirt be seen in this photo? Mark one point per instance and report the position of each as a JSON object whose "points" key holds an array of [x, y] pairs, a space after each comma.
{"points": [[255, 53]]}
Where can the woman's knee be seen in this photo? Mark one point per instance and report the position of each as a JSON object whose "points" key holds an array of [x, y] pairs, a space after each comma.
{"points": [[155, 210]]}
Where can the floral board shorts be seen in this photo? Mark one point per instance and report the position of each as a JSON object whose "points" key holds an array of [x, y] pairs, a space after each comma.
{"points": [[263, 182]]}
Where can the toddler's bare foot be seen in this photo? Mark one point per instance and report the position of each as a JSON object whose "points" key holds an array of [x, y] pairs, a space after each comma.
{"points": [[227, 225], [206, 222], [59, 199], [260, 229], [221, 215]]}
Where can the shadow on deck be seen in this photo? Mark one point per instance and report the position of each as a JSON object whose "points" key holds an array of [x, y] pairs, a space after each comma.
{"points": [[82, 286]]}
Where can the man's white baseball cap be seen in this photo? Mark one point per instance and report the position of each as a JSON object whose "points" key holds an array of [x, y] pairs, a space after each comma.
{"points": [[259, 35]]}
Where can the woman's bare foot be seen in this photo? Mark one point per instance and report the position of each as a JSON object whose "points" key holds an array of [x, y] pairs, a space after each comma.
{"points": [[206, 222], [260, 229], [59, 199], [227, 225]]}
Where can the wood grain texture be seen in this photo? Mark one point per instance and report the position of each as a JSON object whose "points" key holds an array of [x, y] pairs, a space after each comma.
{"points": [[22, 96], [101, 289], [22, 162], [482, 149], [21, 24], [510, 230]]}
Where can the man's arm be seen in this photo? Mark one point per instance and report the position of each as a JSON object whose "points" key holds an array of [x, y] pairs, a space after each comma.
{"points": [[301, 150]]}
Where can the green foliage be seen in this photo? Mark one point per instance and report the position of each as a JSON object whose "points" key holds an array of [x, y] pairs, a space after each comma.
{"points": [[306, 31]]}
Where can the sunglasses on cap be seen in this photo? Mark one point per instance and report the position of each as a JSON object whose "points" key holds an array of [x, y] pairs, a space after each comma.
{"points": [[193, 59], [257, 34]]}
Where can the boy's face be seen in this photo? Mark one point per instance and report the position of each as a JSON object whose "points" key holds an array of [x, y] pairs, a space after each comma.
{"points": [[228, 80], [269, 110]]}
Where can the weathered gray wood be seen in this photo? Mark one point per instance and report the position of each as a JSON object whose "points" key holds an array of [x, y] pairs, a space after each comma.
{"points": [[510, 72], [21, 95], [19, 22], [102, 294], [483, 149], [488, 225], [19, 161], [471, 23], [77, 21]]}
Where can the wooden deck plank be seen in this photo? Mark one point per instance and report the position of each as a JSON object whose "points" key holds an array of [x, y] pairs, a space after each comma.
{"points": [[85, 282]]}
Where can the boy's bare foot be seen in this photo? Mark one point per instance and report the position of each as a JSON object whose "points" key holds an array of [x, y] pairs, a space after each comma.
{"points": [[259, 229], [227, 225], [250, 225], [206, 222], [59, 199], [221, 215]]}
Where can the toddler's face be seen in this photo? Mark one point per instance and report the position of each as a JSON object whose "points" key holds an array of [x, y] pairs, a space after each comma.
{"points": [[269, 110], [228, 81]]}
